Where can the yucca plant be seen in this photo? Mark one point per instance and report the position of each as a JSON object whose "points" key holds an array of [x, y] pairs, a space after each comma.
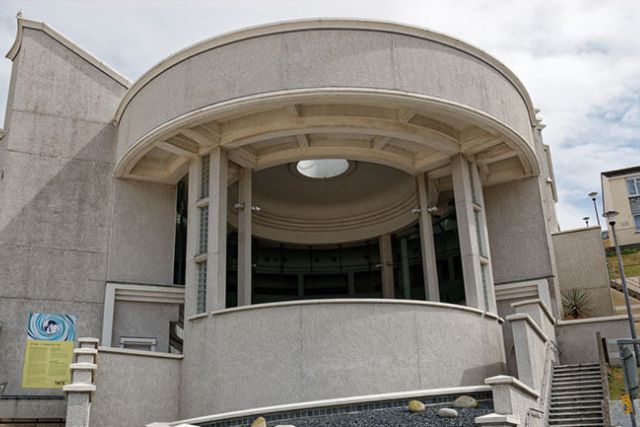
{"points": [[576, 304]]}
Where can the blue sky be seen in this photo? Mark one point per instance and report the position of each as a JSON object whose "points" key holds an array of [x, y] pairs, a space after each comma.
{"points": [[580, 60]]}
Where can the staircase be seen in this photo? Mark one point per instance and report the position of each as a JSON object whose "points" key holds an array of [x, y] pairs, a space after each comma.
{"points": [[576, 396]]}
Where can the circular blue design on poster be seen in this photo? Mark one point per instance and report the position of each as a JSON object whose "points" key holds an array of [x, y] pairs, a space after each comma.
{"points": [[51, 327]]}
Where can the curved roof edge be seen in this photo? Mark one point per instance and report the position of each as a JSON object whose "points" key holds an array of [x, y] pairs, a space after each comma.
{"points": [[93, 60], [324, 24]]}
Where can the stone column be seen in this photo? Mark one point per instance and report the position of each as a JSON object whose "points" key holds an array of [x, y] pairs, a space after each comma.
{"points": [[193, 232], [472, 231], [426, 198], [245, 211], [82, 387], [386, 260], [217, 231]]}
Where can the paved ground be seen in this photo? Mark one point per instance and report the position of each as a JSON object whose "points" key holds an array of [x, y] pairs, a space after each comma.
{"points": [[391, 418]]}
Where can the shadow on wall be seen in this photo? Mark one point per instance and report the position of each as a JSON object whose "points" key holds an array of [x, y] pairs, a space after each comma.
{"points": [[472, 374], [54, 247]]}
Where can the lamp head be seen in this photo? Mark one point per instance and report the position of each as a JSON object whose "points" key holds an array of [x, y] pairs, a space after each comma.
{"points": [[593, 194], [610, 216]]}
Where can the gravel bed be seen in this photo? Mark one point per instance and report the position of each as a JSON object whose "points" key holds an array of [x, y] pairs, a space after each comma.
{"points": [[392, 417]]}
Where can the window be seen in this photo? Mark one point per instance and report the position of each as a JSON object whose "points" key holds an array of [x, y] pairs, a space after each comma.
{"points": [[633, 188], [138, 343]]}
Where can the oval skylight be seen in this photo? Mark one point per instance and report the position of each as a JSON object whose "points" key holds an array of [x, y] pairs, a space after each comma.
{"points": [[322, 168]]}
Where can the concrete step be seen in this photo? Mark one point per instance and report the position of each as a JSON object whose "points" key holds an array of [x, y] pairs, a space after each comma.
{"points": [[580, 425], [574, 413], [575, 368], [576, 371], [577, 404], [579, 395], [575, 365], [577, 380], [577, 400], [578, 387]]}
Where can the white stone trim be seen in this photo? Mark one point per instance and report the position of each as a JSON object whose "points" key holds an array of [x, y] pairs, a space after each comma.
{"points": [[129, 352], [143, 144], [498, 420], [531, 322], [481, 313], [592, 320], [324, 24], [512, 381], [93, 60], [538, 301], [135, 293], [335, 402]]}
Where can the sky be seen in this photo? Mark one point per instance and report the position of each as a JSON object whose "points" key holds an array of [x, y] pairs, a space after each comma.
{"points": [[580, 60]]}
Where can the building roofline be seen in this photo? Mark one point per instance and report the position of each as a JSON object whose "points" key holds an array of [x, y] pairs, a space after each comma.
{"points": [[56, 35], [324, 24], [621, 172]]}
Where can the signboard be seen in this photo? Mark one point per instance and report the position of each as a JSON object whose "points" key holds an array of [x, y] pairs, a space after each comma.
{"points": [[626, 403], [49, 350]]}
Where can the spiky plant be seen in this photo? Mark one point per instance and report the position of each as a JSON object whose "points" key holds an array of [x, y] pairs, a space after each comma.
{"points": [[576, 304]]}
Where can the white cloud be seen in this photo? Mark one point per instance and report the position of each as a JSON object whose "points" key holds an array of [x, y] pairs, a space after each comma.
{"points": [[580, 59]]}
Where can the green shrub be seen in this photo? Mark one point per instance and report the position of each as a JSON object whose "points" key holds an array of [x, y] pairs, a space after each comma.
{"points": [[576, 304]]}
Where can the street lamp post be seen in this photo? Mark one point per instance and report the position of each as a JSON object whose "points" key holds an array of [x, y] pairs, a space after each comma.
{"points": [[586, 220], [610, 215], [593, 196]]}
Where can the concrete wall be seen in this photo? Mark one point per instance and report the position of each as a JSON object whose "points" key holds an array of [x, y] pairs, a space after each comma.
{"points": [[517, 231], [300, 351], [55, 199], [316, 54], [577, 338], [143, 319], [135, 388], [581, 264], [143, 236]]}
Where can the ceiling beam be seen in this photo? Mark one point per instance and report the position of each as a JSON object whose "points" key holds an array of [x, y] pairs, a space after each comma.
{"points": [[340, 124]]}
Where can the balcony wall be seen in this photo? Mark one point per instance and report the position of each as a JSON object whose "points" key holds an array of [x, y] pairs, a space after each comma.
{"points": [[310, 350]]}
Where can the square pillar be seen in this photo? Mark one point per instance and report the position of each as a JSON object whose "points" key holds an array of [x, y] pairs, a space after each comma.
{"points": [[426, 196], [193, 232], [216, 280], [386, 259], [245, 212], [472, 231]]}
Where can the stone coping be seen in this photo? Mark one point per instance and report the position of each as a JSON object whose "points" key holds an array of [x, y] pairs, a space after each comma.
{"points": [[498, 420], [41, 26], [323, 24], [530, 322], [592, 320], [545, 309], [129, 352], [513, 382], [577, 230], [347, 301], [332, 402]]}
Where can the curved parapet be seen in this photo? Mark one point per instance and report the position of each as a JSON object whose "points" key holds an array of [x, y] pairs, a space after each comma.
{"points": [[371, 91], [301, 351]]}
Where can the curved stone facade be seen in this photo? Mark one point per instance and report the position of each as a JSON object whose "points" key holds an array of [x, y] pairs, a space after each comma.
{"points": [[311, 350]]}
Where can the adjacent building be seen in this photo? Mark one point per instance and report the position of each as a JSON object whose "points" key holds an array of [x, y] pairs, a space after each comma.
{"points": [[621, 193]]}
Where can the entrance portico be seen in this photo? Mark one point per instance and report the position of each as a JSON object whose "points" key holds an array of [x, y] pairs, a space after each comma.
{"points": [[273, 108]]}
